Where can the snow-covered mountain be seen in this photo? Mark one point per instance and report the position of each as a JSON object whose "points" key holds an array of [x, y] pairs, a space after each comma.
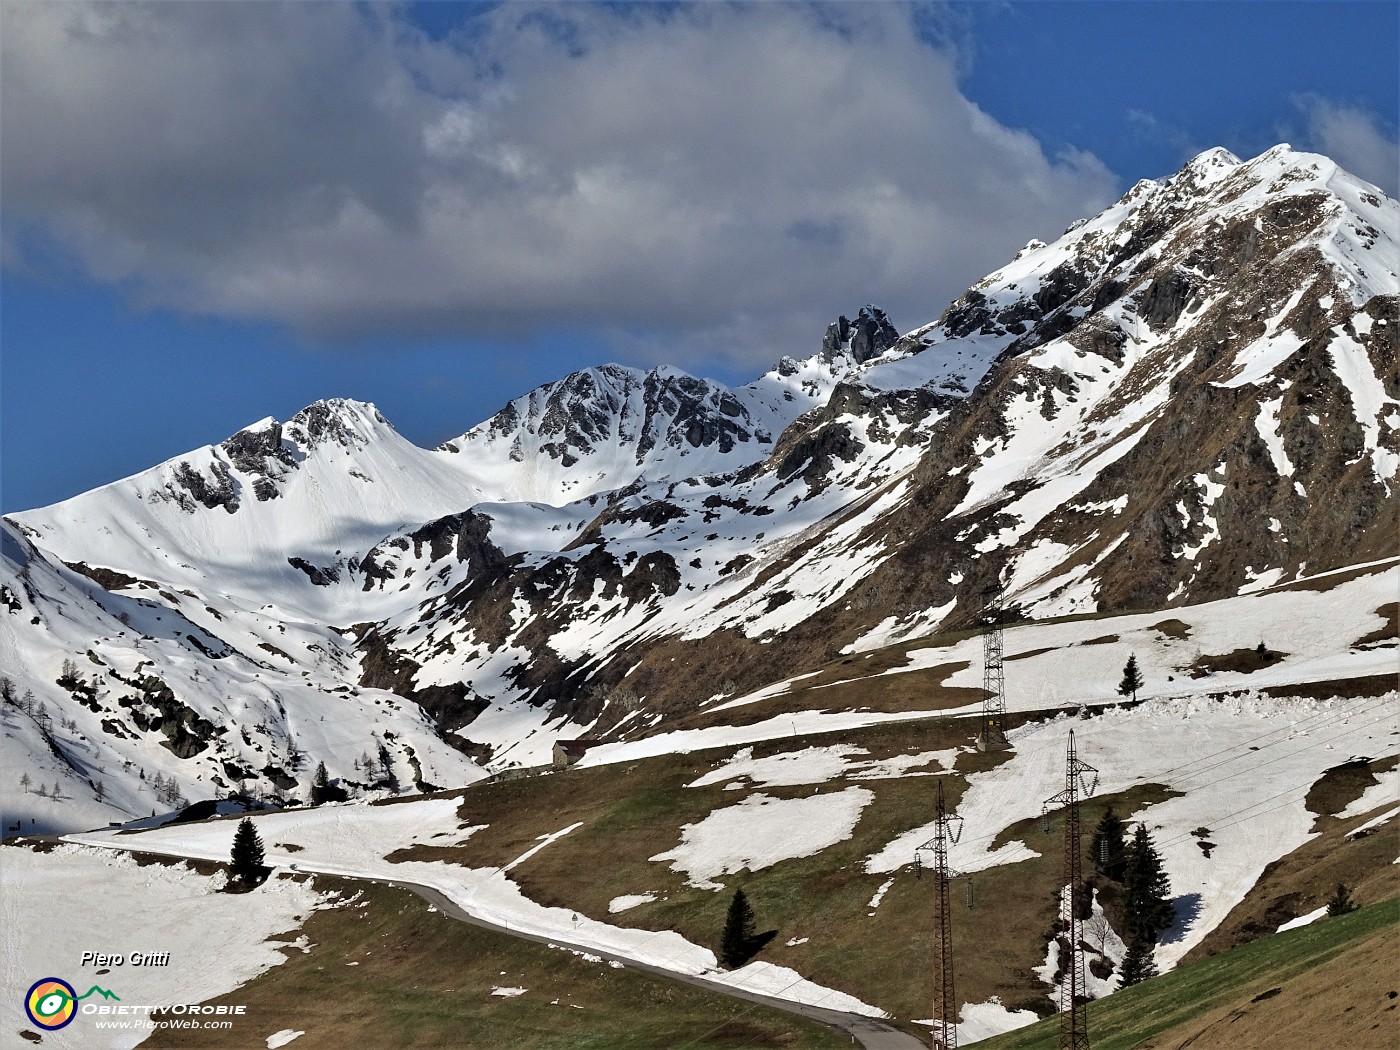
{"points": [[1189, 396]]}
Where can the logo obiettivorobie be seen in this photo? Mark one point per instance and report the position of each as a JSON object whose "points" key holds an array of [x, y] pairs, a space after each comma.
{"points": [[52, 1003]]}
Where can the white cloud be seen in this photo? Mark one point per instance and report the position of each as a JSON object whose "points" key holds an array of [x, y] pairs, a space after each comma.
{"points": [[727, 177], [1355, 139]]}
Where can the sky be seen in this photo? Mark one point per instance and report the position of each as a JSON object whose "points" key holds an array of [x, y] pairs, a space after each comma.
{"points": [[215, 212]]}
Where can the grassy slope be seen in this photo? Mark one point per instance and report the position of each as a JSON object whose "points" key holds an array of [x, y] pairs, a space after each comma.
{"points": [[421, 979], [632, 812], [1332, 983]]}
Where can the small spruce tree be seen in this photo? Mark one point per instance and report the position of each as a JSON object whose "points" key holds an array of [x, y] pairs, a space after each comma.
{"points": [[1132, 678], [1341, 901], [736, 945], [246, 858], [24, 781], [1138, 964]]}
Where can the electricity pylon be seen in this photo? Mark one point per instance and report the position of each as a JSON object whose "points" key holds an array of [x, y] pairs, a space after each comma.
{"points": [[1074, 1033], [947, 829], [993, 732]]}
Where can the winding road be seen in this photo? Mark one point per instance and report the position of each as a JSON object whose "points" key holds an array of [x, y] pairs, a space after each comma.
{"points": [[867, 1031]]}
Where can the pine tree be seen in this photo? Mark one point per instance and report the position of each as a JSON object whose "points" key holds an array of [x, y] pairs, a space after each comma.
{"points": [[1147, 906], [1132, 678], [100, 790], [736, 945], [24, 781], [1138, 964], [246, 858], [1108, 847], [1341, 901], [7, 690], [319, 783]]}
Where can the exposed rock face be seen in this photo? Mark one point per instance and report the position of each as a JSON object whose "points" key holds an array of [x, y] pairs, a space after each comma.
{"points": [[869, 335]]}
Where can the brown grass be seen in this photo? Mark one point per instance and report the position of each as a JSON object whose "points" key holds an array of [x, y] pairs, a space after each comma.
{"points": [[1347, 1001], [1177, 629], [1242, 661], [1387, 632], [424, 980]]}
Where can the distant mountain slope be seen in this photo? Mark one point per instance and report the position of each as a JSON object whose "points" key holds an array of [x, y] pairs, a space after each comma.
{"points": [[1192, 395]]}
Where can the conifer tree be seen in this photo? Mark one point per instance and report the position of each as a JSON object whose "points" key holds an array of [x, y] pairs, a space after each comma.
{"points": [[1147, 906], [737, 943], [1132, 678], [24, 781], [1108, 846], [1138, 964], [319, 783], [246, 858], [1341, 901]]}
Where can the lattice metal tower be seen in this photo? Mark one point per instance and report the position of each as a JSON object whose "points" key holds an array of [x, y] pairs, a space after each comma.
{"points": [[1074, 1033], [945, 1003], [993, 732]]}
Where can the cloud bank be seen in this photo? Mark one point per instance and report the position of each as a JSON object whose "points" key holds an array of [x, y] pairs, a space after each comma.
{"points": [[718, 179]]}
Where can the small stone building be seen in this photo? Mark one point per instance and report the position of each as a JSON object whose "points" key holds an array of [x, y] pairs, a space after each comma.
{"points": [[567, 752]]}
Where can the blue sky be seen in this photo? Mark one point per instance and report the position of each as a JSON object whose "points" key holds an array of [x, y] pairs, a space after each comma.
{"points": [[214, 213]]}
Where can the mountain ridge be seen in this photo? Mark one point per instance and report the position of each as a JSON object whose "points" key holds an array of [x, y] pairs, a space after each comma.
{"points": [[1189, 396]]}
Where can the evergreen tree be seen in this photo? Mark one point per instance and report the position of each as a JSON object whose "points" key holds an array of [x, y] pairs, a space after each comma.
{"points": [[1341, 901], [100, 790], [1132, 678], [246, 859], [7, 690], [319, 784], [1147, 906], [736, 945], [1138, 964], [1108, 847], [24, 781]]}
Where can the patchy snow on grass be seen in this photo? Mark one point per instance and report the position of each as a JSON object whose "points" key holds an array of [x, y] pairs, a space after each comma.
{"points": [[353, 840], [817, 765], [509, 993], [1385, 789], [1375, 822], [282, 1038], [1303, 920], [761, 830], [544, 840], [1245, 764], [60, 904], [630, 900], [984, 1020], [880, 894]]}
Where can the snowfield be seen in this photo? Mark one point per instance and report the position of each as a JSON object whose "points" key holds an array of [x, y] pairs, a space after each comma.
{"points": [[760, 831], [73, 899]]}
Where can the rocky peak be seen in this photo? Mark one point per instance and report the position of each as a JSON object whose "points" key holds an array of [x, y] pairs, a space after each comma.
{"points": [[338, 421], [869, 335]]}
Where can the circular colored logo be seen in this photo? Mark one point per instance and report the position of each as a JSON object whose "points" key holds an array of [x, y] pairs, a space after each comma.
{"points": [[51, 1003]]}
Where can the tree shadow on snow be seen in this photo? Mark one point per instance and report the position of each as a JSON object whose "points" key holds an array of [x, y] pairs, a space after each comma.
{"points": [[1186, 910]]}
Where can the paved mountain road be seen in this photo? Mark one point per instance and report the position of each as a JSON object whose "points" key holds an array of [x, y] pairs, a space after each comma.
{"points": [[868, 1032]]}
